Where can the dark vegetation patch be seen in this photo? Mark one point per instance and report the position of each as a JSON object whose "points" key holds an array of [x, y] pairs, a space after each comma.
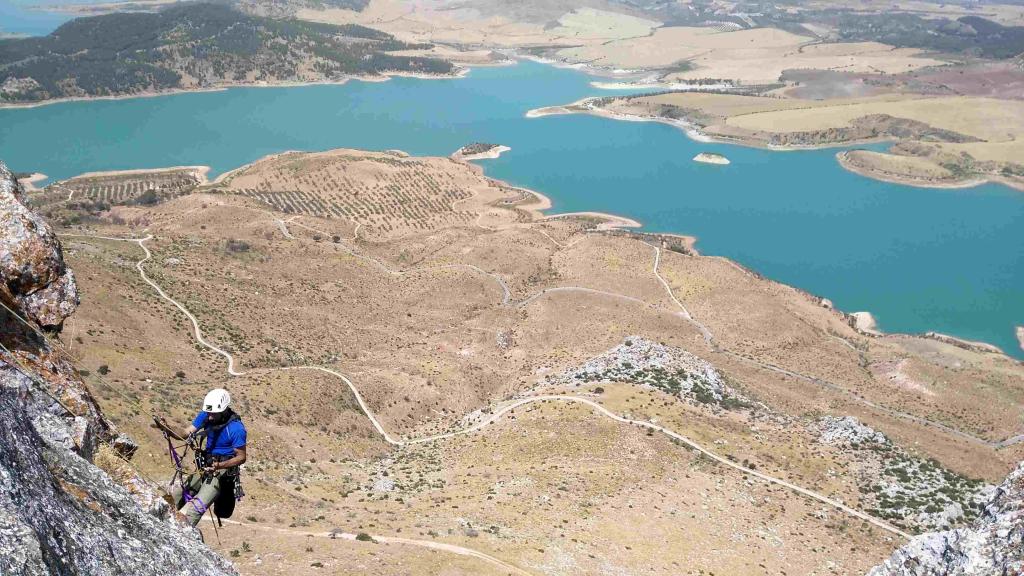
{"points": [[192, 45], [355, 5], [477, 148], [907, 487]]}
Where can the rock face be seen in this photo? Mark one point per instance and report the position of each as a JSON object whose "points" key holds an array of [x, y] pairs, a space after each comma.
{"points": [[848, 430], [60, 514], [992, 546], [31, 261]]}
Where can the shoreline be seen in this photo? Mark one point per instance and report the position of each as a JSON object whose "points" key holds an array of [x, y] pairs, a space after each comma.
{"points": [[1020, 336], [865, 323], [461, 72], [692, 130], [200, 172], [964, 343], [30, 183], [695, 134], [611, 221], [844, 161]]}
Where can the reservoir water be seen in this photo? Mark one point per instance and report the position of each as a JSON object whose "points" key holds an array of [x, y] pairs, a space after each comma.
{"points": [[919, 259], [29, 17]]}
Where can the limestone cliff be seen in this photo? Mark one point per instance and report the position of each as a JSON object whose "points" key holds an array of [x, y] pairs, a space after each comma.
{"points": [[59, 513], [992, 546]]}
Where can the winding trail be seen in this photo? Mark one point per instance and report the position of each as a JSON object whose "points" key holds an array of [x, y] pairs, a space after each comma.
{"points": [[501, 410], [141, 242], [546, 291], [708, 336], [430, 544]]}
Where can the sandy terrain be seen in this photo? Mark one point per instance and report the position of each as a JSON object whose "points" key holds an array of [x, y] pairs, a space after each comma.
{"points": [[986, 119], [464, 25], [298, 260], [1006, 14], [199, 172], [865, 322], [756, 56], [592, 24], [419, 22]]}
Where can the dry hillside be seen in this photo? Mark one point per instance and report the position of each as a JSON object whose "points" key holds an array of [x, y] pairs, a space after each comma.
{"points": [[547, 397]]}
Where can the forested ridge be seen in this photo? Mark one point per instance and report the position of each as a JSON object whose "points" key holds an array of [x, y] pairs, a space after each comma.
{"points": [[193, 46]]}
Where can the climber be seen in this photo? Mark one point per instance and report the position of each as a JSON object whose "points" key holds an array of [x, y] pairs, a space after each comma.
{"points": [[217, 483]]}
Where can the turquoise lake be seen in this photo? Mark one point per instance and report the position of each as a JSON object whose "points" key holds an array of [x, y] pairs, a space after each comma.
{"points": [[23, 17], [919, 259]]}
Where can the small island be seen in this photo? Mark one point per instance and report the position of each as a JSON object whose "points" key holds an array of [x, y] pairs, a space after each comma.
{"points": [[710, 158], [1020, 336], [480, 151]]}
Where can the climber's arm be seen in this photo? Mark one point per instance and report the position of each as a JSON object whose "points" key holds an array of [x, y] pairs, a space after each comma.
{"points": [[237, 460], [179, 434]]}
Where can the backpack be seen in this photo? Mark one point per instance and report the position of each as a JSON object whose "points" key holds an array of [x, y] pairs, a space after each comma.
{"points": [[230, 492]]}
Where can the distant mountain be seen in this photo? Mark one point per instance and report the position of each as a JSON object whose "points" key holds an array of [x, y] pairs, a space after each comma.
{"points": [[193, 46]]}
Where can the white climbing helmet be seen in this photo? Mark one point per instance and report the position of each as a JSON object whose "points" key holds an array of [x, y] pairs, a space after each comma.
{"points": [[217, 401]]}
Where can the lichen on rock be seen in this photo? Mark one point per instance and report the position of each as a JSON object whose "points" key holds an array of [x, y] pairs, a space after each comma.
{"points": [[32, 264]]}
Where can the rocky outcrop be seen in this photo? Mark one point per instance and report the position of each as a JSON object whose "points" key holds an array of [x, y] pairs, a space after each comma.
{"points": [[992, 546], [60, 514], [35, 278], [848, 430], [911, 492], [666, 368]]}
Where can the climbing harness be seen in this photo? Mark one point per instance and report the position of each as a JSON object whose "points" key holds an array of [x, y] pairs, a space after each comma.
{"points": [[192, 443]]}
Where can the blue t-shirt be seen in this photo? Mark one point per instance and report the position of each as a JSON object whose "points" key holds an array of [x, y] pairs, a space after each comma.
{"points": [[222, 442]]}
